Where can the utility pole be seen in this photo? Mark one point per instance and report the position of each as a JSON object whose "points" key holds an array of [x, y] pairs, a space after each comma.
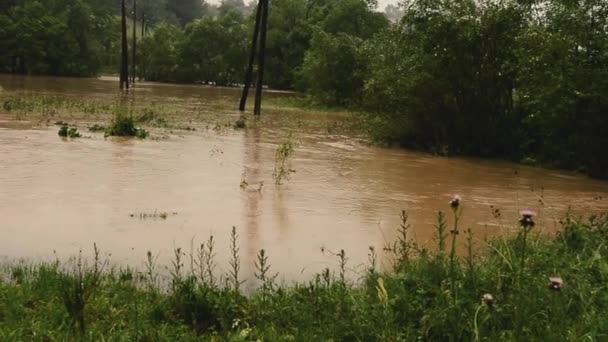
{"points": [[134, 65], [254, 45], [124, 61], [261, 20], [257, 109]]}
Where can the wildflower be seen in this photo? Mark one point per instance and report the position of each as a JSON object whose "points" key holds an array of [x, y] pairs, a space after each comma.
{"points": [[455, 202], [488, 299], [555, 283], [527, 218]]}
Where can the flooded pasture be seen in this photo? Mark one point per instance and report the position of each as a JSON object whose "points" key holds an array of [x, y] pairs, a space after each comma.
{"points": [[131, 196]]}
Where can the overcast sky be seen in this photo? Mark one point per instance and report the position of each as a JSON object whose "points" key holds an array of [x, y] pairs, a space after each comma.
{"points": [[381, 3]]}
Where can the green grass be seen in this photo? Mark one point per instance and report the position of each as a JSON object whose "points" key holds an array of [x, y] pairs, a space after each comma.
{"points": [[429, 295]]}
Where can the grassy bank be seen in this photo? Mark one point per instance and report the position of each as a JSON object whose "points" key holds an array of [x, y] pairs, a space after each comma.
{"points": [[523, 287]]}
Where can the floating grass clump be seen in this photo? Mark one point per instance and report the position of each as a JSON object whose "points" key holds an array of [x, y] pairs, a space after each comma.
{"points": [[525, 287], [154, 215]]}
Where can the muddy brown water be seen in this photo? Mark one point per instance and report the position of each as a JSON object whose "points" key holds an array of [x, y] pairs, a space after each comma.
{"points": [[64, 195]]}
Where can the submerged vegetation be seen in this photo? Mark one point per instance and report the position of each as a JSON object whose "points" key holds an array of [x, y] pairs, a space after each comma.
{"points": [[69, 132], [525, 287], [124, 125], [282, 159]]}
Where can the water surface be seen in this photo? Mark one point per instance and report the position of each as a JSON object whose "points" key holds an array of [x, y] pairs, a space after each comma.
{"points": [[64, 195]]}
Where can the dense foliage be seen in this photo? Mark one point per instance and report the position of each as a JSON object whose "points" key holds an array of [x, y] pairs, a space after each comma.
{"points": [[523, 288], [57, 37], [495, 78]]}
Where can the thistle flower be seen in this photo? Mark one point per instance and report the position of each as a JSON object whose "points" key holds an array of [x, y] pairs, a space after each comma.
{"points": [[455, 202], [555, 283], [527, 218], [487, 299]]}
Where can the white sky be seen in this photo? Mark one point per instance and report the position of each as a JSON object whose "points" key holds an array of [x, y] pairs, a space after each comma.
{"points": [[381, 3]]}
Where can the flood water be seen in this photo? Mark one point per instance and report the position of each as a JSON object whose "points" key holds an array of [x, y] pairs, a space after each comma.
{"points": [[64, 195]]}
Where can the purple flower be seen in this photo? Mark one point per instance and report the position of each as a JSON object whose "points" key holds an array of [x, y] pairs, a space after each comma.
{"points": [[527, 218], [555, 283], [488, 299], [455, 202]]}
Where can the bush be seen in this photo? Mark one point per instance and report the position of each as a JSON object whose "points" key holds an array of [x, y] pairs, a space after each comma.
{"points": [[68, 132], [123, 125]]}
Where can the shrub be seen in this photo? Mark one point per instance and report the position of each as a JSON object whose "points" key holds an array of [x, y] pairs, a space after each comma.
{"points": [[68, 132], [124, 126]]}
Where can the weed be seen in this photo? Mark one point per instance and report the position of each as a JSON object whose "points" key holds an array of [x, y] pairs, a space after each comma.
{"points": [[206, 262], [235, 261], [150, 265], [262, 273], [79, 285], [282, 157], [558, 294]]}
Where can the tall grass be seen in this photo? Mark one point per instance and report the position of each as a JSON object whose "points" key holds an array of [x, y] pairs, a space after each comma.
{"points": [[523, 287]]}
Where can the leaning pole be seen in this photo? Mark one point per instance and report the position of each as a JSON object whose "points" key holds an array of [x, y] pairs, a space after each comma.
{"points": [[254, 44], [124, 60], [133, 60], [257, 109], [259, 31]]}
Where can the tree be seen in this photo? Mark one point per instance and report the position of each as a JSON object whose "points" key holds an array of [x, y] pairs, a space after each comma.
{"points": [[185, 10], [563, 82], [333, 68], [160, 52], [214, 50], [60, 37]]}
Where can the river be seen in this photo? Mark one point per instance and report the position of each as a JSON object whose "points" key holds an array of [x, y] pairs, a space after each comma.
{"points": [[64, 195]]}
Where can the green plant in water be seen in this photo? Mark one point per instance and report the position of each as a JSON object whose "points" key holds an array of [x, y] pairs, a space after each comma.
{"points": [[282, 158], [123, 125], [69, 132]]}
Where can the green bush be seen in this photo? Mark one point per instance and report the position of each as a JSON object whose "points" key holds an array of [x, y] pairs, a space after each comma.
{"points": [[124, 125], [68, 132]]}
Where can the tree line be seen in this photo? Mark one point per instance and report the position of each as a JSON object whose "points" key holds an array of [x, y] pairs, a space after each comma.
{"points": [[517, 79]]}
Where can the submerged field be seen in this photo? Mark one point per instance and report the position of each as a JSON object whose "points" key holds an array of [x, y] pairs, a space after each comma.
{"points": [[295, 182], [318, 250], [525, 287]]}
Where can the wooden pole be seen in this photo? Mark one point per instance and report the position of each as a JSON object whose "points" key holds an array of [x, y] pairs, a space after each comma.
{"points": [[133, 62], [254, 44], [257, 110], [124, 61]]}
